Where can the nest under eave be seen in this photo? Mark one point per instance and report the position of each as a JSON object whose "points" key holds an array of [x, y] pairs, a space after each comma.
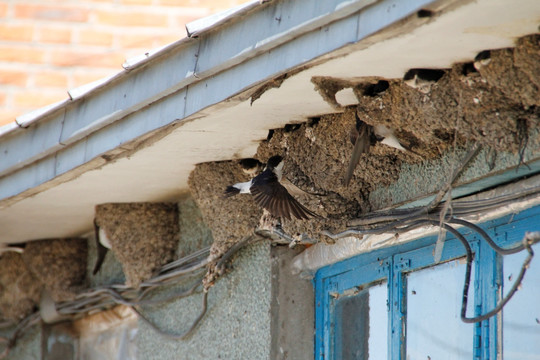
{"points": [[494, 103]]}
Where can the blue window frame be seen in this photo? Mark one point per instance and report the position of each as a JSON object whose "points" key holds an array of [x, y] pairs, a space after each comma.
{"points": [[421, 301]]}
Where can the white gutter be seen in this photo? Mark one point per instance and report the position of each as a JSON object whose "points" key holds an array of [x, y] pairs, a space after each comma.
{"points": [[56, 140]]}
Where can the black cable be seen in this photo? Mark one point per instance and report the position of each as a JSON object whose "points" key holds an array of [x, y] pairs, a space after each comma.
{"points": [[459, 208], [469, 255], [508, 296], [172, 336], [409, 223], [527, 241], [21, 327], [492, 244], [100, 298]]}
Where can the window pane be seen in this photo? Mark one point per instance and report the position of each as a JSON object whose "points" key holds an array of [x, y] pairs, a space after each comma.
{"points": [[361, 325], [434, 327], [521, 315]]}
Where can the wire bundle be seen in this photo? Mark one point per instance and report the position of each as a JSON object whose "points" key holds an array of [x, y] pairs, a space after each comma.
{"points": [[445, 216]]}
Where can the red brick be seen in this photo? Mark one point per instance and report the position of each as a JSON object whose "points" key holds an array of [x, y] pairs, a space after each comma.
{"points": [[13, 77], [137, 2], [15, 32], [50, 12], [51, 79], [181, 21], [36, 99], [3, 10], [53, 35], [21, 54], [8, 115], [82, 78], [190, 3], [131, 18], [169, 39], [136, 41], [212, 6], [90, 59], [94, 37]]}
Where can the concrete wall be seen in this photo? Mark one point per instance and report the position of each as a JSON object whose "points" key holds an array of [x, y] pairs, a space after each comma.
{"points": [[293, 309], [28, 346], [237, 324]]}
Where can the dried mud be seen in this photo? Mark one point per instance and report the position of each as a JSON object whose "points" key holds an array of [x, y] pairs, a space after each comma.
{"points": [[494, 106], [230, 219], [143, 236], [59, 264], [19, 288]]}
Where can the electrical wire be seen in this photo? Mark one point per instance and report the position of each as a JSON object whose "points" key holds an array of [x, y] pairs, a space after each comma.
{"points": [[395, 220], [104, 297], [436, 214], [21, 327], [170, 335], [528, 240]]}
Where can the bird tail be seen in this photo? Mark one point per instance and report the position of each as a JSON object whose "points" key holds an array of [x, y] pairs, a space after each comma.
{"points": [[231, 191]]}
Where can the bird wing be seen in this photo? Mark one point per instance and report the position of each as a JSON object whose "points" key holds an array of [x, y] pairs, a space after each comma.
{"points": [[268, 193], [361, 145], [101, 250]]}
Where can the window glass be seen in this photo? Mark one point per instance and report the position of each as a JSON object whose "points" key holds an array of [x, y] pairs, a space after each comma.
{"points": [[434, 327], [362, 324], [521, 315]]}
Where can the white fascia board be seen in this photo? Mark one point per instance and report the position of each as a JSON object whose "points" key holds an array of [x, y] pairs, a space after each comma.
{"points": [[174, 84]]}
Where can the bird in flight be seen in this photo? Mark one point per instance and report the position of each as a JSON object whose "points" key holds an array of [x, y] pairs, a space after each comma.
{"points": [[270, 194]]}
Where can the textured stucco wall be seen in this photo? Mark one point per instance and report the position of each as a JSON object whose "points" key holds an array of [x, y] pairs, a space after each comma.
{"points": [[293, 309], [237, 324], [28, 346], [488, 168]]}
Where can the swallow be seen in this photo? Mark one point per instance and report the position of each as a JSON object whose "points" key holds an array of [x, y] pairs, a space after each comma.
{"points": [[363, 136], [251, 167], [4, 248], [102, 244], [482, 59], [270, 194], [422, 79]]}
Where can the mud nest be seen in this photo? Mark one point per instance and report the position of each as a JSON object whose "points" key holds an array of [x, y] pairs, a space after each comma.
{"points": [[230, 219], [19, 288], [143, 236], [59, 264], [492, 101]]}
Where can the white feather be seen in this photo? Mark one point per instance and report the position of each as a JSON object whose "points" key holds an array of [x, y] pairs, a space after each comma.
{"points": [[389, 138], [243, 187], [104, 239], [278, 170]]}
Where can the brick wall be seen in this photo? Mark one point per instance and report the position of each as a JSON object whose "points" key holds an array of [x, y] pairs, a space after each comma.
{"points": [[48, 47]]}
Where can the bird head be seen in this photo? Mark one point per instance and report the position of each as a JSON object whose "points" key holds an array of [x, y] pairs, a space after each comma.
{"points": [[251, 166], [275, 162]]}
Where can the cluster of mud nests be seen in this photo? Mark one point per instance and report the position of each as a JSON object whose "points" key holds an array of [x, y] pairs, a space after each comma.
{"points": [[55, 265], [143, 236], [493, 101]]}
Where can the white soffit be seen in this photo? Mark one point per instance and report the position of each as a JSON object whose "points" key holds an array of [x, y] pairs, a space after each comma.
{"points": [[64, 206]]}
